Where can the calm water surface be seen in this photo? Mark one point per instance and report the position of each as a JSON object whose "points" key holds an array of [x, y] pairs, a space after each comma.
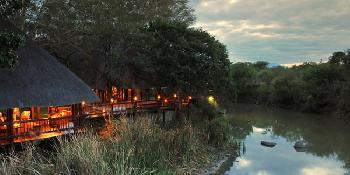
{"points": [[329, 155]]}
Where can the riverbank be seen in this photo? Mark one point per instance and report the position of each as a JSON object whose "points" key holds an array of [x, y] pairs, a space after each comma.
{"points": [[137, 147], [219, 163]]}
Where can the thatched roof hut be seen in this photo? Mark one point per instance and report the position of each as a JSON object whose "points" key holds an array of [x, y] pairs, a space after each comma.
{"points": [[40, 80]]}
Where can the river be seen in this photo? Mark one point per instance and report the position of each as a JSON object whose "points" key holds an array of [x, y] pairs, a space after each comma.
{"points": [[328, 155]]}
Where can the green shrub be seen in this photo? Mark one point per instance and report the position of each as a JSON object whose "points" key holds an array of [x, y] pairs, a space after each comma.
{"points": [[220, 131]]}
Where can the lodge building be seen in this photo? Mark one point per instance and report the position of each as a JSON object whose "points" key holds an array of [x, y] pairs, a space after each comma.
{"points": [[41, 98]]}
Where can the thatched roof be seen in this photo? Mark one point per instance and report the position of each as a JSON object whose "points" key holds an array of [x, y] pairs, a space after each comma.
{"points": [[40, 80]]}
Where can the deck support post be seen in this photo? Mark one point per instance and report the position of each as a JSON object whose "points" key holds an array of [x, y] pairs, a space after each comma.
{"points": [[134, 110], [188, 111], [10, 136], [177, 108], [158, 115]]}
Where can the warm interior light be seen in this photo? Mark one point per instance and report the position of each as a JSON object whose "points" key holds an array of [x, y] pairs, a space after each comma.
{"points": [[25, 115], [175, 95], [135, 98], [190, 97], [16, 113], [112, 100], [166, 100], [158, 97], [83, 103]]}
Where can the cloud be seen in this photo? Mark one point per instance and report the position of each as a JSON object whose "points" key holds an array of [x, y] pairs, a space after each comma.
{"points": [[291, 64], [225, 28], [243, 163], [278, 31], [320, 171], [262, 172]]}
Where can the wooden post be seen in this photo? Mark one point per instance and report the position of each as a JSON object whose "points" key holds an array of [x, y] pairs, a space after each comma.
{"points": [[188, 111], [111, 114], [9, 118], [130, 95], [32, 113], [176, 109], [158, 115], [75, 112], [134, 109], [39, 113]]}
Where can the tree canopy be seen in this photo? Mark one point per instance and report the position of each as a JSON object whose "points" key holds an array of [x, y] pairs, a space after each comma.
{"points": [[130, 43], [10, 38], [174, 55], [94, 34]]}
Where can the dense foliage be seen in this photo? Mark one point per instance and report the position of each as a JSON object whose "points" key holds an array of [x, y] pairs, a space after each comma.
{"points": [[170, 54], [10, 39], [130, 43], [312, 87]]}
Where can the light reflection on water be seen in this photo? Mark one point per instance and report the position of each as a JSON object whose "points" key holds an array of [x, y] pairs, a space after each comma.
{"points": [[329, 155]]}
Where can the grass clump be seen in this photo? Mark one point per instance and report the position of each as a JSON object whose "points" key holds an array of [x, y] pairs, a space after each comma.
{"points": [[136, 147]]}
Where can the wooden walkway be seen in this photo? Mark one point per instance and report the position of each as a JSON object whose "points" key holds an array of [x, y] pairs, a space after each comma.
{"points": [[97, 110], [22, 131]]}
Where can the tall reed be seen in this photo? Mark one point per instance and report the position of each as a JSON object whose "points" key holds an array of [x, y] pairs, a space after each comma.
{"points": [[135, 147]]}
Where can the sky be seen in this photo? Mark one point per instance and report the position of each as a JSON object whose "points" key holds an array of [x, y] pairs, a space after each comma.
{"points": [[277, 31]]}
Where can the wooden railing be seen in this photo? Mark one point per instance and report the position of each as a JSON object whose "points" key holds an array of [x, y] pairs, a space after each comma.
{"points": [[97, 110], [19, 131], [127, 107], [25, 130]]}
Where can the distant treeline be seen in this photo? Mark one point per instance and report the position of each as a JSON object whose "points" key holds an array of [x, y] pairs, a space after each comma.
{"points": [[310, 87]]}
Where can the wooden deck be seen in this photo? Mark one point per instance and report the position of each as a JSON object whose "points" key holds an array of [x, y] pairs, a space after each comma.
{"points": [[23, 131], [29, 130], [95, 110]]}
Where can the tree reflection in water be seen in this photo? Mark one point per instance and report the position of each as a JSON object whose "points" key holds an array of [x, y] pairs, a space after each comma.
{"points": [[329, 137]]}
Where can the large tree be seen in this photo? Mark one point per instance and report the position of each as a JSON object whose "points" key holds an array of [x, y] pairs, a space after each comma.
{"points": [[10, 38], [186, 58], [91, 34], [174, 55]]}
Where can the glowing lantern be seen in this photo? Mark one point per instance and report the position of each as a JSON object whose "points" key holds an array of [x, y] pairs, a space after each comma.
{"points": [[159, 97], [135, 98], [190, 97], [211, 100], [175, 95], [83, 103], [166, 101]]}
